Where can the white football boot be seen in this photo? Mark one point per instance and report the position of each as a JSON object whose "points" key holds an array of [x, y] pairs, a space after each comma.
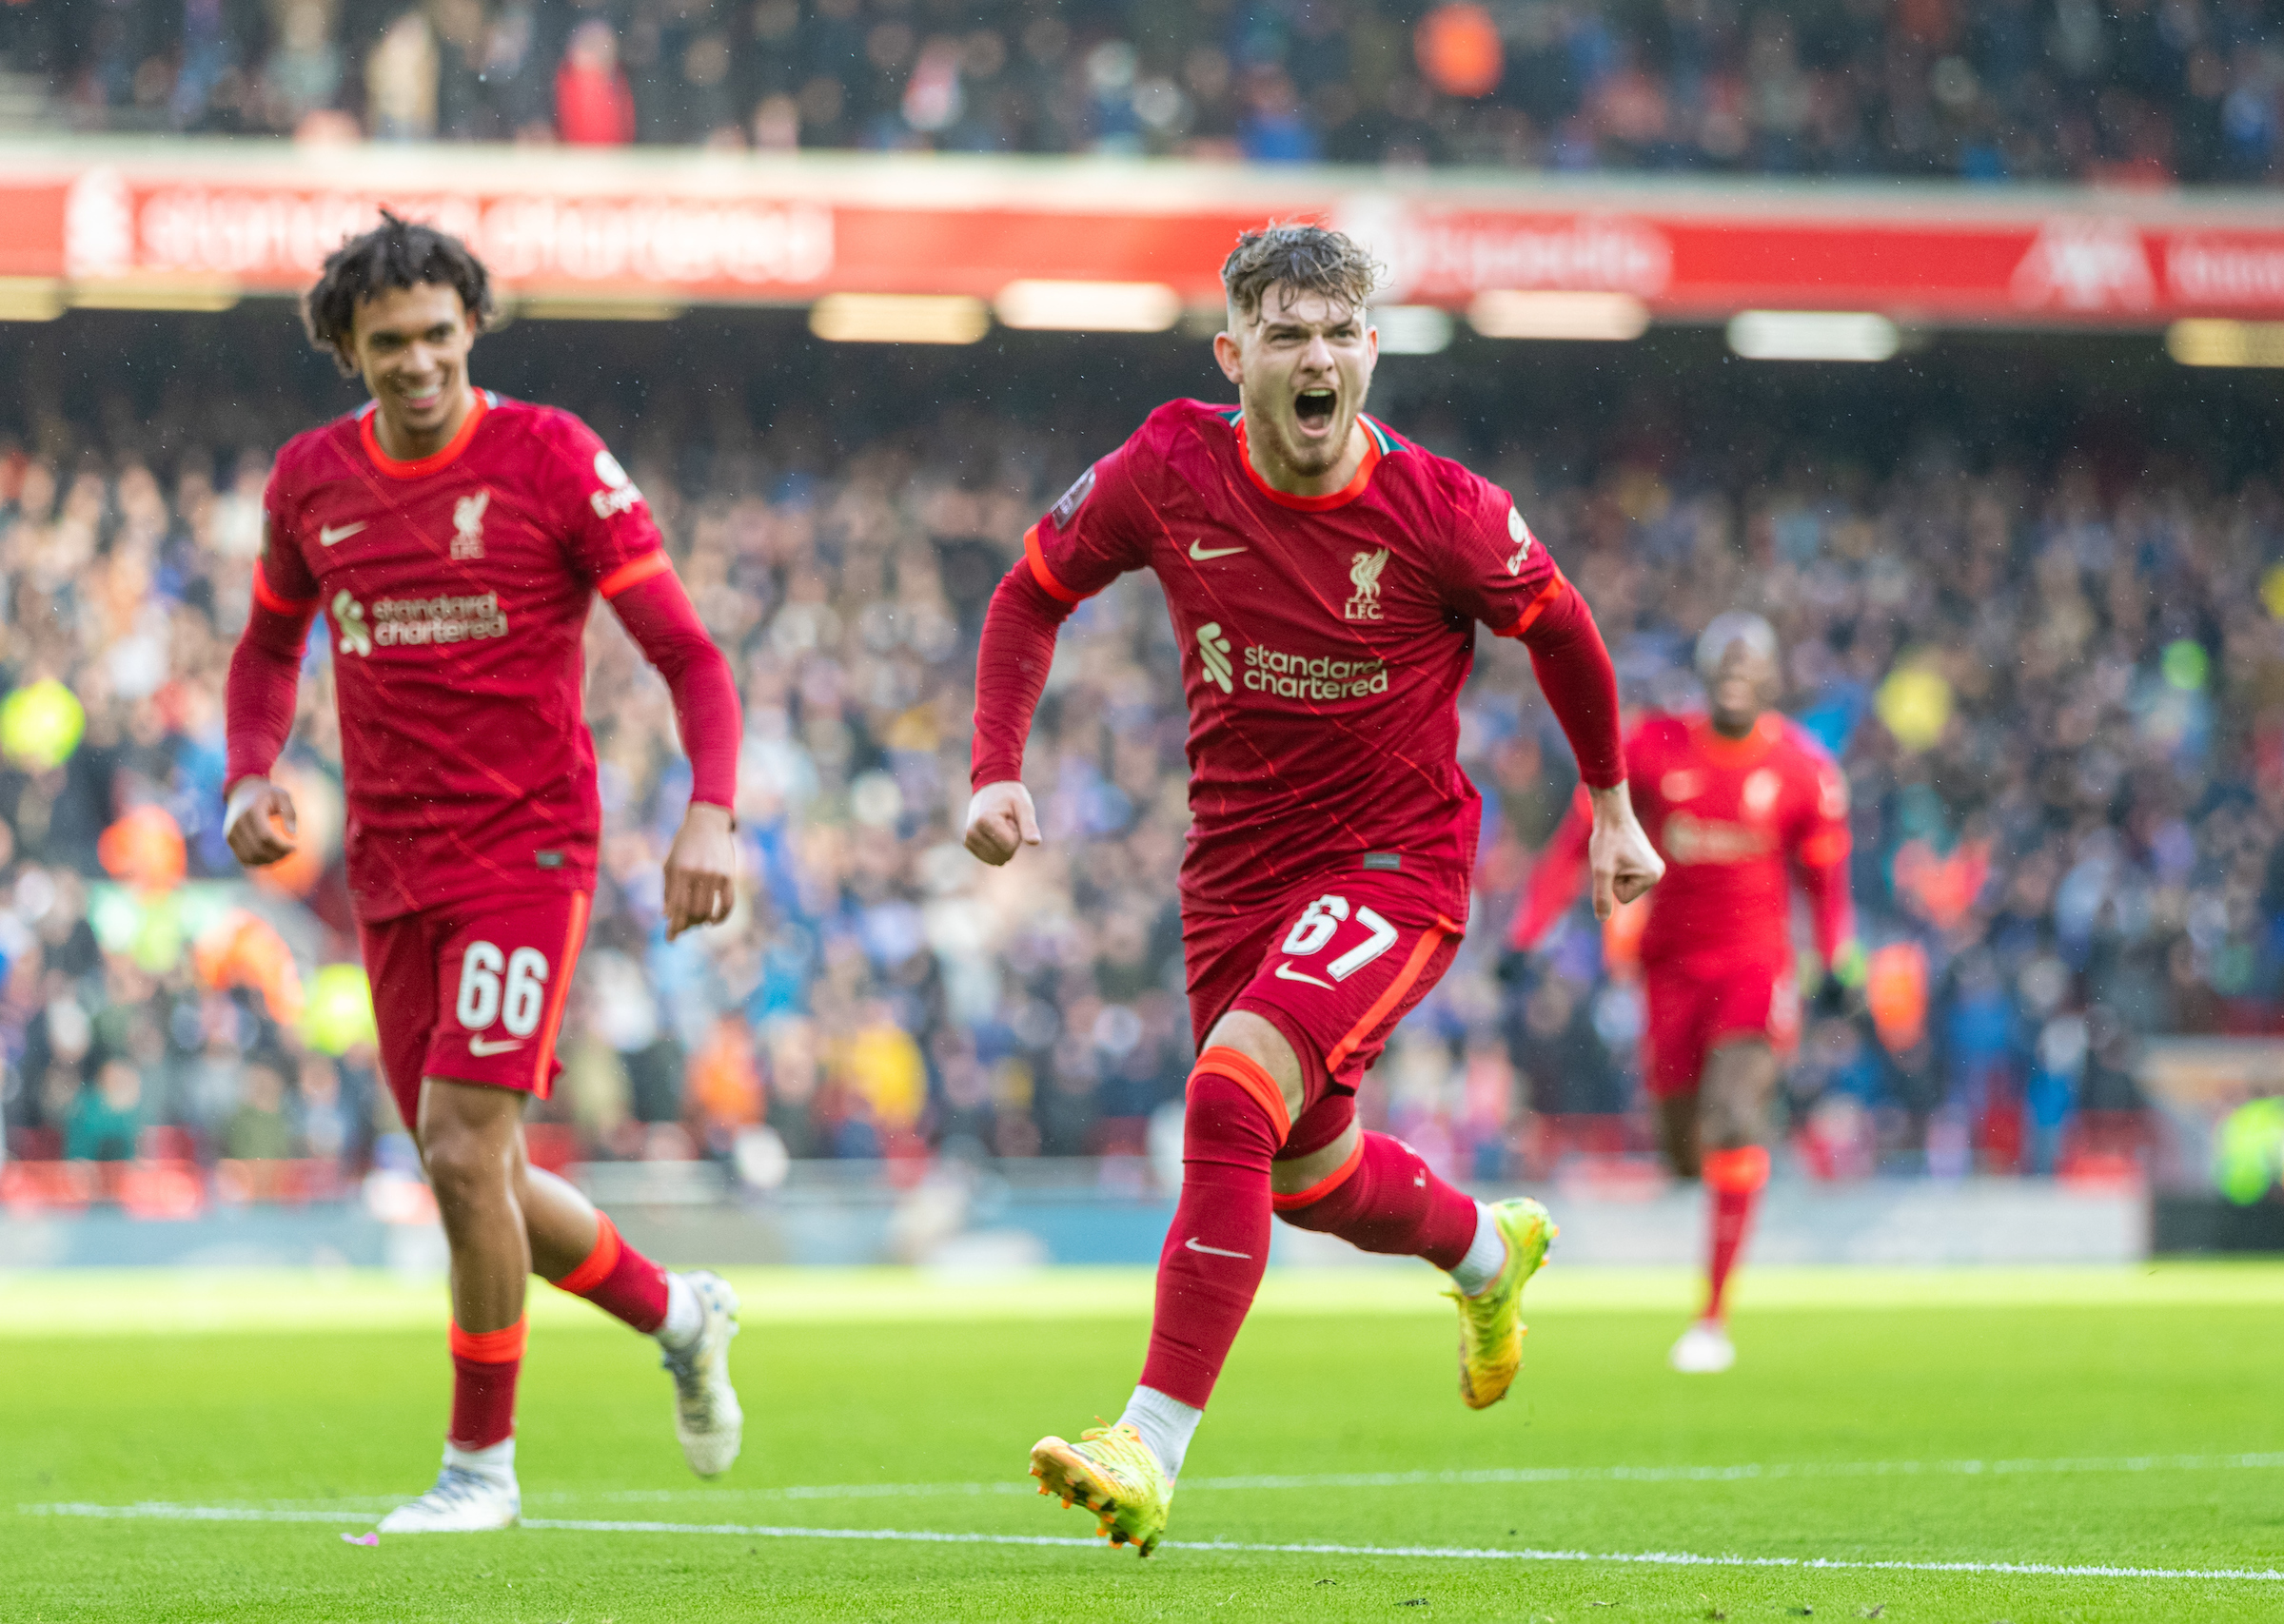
{"points": [[461, 1502], [1705, 1349], [706, 1416]]}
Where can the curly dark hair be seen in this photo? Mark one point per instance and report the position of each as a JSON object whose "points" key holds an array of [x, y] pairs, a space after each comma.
{"points": [[396, 253], [1307, 259]]}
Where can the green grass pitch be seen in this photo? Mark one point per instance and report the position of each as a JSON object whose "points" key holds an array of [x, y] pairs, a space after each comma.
{"points": [[2005, 1421]]}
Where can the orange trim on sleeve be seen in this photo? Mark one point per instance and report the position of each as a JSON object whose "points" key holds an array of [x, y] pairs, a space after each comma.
{"points": [[420, 466], [1246, 1073], [601, 1262], [1537, 606], [541, 1083], [1323, 1186], [1826, 848], [271, 601], [1392, 994], [490, 1347], [1737, 1172], [1040, 572], [633, 572]]}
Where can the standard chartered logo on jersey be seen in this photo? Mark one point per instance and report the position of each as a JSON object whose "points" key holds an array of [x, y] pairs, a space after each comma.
{"points": [[414, 622], [1288, 675]]}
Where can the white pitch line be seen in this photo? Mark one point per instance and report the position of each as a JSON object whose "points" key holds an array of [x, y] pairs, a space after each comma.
{"points": [[1438, 1552], [1748, 1473]]}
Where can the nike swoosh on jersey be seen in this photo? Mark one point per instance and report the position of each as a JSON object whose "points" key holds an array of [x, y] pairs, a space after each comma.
{"points": [[481, 1046], [1201, 553], [1286, 972], [333, 533], [1197, 1245]]}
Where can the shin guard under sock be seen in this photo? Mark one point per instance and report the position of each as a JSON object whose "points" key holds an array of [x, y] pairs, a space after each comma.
{"points": [[620, 1280], [1211, 1262], [1385, 1198], [1733, 1179], [484, 1365]]}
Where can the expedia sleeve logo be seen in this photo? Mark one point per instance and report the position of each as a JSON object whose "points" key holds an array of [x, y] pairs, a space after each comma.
{"points": [[1080, 488], [619, 493]]}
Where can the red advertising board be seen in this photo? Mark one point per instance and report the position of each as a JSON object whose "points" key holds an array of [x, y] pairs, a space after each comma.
{"points": [[708, 227]]}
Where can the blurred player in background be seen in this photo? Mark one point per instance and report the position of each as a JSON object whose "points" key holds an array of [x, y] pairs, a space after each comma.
{"points": [[458, 539], [1739, 802], [1325, 578]]}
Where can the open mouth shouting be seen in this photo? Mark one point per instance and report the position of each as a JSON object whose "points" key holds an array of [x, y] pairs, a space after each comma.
{"points": [[1314, 410]]}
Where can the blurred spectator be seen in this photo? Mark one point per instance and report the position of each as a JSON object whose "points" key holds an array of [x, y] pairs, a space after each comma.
{"points": [[259, 1130], [106, 1117], [399, 80], [593, 105]]}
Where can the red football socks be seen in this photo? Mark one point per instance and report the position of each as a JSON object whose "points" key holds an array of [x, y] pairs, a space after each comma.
{"points": [[1211, 1262], [484, 1365], [1385, 1199], [620, 1280], [1734, 1178]]}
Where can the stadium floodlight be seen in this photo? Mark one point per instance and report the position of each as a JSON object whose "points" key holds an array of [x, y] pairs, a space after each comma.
{"points": [[1552, 313], [1412, 329], [1812, 335], [899, 319], [1089, 307], [156, 293], [598, 309], [2226, 343], [30, 298]]}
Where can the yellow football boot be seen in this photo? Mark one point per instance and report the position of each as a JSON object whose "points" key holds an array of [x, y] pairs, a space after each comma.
{"points": [[1113, 1474], [1491, 1323]]}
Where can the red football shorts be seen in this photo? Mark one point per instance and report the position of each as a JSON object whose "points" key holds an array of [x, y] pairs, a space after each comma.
{"points": [[1333, 967], [473, 994], [1697, 1004]]}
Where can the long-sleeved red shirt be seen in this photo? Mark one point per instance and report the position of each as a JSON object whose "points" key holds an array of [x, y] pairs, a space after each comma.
{"points": [[1738, 821], [459, 587]]}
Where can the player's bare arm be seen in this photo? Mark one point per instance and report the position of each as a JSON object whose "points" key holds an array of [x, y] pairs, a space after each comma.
{"points": [[259, 823], [1001, 821], [702, 869], [1624, 863]]}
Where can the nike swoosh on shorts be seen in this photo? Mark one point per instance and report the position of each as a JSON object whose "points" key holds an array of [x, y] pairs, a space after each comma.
{"points": [[332, 534], [1201, 553], [481, 1046], [1286, 972], [1196, 1246]]}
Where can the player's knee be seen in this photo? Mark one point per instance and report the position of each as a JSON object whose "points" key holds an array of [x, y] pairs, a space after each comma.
{"points": [[1258, 1041], [464, 1168]]}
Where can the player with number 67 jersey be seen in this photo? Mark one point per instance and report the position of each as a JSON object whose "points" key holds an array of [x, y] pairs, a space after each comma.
{"points": [[1324, 578]]}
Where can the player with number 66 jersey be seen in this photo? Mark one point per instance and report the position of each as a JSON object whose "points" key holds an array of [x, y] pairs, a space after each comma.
{"points": [[456, 543]]}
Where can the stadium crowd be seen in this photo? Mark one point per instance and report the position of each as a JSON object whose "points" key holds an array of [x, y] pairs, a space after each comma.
{"points": [[2057, 684], [2127, 92]]}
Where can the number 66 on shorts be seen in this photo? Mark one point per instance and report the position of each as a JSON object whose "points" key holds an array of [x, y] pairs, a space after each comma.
{"points": [[474, 993]]}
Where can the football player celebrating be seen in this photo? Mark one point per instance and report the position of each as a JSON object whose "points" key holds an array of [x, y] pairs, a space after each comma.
{"points": [[1324, 578], [1739, 801], [458, 539]]}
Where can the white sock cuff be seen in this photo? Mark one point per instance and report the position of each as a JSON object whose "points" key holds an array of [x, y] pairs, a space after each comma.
{"points": [[498, 1461], [1487, 1254], [1166, 1424], [686, 1316]]}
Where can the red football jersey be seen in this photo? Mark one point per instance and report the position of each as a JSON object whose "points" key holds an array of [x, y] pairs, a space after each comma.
{"points": [[1324, 641], [1735, 820], [459, 587]]}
